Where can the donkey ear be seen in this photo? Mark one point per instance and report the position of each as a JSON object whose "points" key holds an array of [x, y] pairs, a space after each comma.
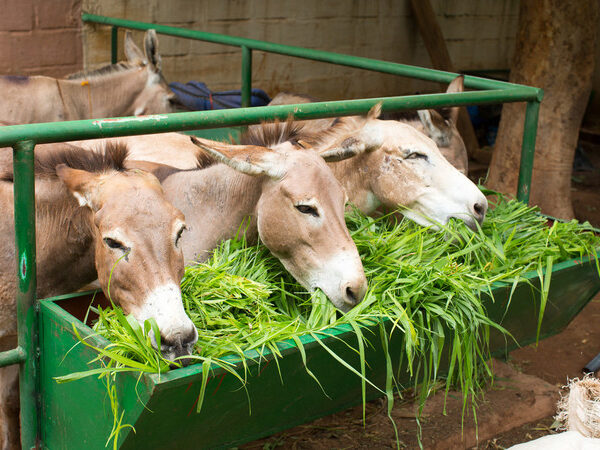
{"points": [[248, 159], [374, 112], [132, 52], [440, 135], [348, 148], [151, 50], [457, 85], [80, 183], [426, 120], [369, 138]]}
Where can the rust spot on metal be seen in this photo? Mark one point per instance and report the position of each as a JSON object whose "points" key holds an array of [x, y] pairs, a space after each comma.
{"points": [[263, 368], [194, 405], [219, 385]]}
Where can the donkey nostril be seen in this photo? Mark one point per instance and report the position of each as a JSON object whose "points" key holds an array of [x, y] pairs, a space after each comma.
{"points": [[191, 337], [479, 210], [184, 361], [351, 296]]}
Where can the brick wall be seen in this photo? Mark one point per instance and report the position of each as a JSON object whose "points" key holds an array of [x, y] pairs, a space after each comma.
{"points": [[46, 37], [480, 35], [40, 37]]}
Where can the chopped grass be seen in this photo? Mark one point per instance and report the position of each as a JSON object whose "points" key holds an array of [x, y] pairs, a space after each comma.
{"points": [[424, 284]]}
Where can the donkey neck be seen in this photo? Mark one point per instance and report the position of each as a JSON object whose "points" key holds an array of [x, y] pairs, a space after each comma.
{"points": [[355, 175], [65, 243], [218, 202], [106, 95]]}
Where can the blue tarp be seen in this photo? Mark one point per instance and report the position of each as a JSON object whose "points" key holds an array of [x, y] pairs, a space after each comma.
{"points": [[196, 96]]}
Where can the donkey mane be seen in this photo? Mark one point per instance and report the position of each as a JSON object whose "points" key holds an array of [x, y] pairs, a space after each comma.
{"points": [[105, 70], [112, 157], [269, 134]]}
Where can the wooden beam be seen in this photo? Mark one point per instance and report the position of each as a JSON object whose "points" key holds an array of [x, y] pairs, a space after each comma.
{"points": [[433, 37]]}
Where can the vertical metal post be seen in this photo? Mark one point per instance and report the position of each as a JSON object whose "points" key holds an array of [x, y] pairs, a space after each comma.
{"points": [[528, 150], [27, 314], [246, 76], [114, 44]]}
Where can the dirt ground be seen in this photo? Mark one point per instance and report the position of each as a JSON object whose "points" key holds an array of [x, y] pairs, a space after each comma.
{"points": [[517, 408]]}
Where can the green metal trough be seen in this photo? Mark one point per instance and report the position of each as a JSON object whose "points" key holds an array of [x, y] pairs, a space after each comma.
{"points": [[163, 409]]}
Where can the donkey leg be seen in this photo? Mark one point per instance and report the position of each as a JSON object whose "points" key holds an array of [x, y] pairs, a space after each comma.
{"points": [[9, 408]]}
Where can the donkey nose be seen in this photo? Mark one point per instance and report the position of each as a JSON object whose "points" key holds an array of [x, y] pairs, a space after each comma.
{"points": [[353, 293], [479, 210], [179, 344]]}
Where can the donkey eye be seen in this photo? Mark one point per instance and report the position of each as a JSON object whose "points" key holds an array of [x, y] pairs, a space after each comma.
{"points": [[114, 244], [178, 235], [307, 209], [417, 155]]}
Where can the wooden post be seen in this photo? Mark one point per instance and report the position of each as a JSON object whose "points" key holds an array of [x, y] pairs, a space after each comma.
{"points": [[440, 58]]}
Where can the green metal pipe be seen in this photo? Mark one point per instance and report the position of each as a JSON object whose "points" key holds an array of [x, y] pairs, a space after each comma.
{"points": [[246, 76], [528, 151], [95, 128], [14, 356], [114, 45], [27, 314], [437, 76]]}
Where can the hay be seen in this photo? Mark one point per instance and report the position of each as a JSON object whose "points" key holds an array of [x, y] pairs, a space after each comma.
{"points": [[579, 410]]}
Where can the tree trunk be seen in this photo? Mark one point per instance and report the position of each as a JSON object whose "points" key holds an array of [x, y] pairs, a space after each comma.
{"points": [[555, 49]]}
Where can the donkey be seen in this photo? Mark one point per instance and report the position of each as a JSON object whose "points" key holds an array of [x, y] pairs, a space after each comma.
{"points": [[438, 125], [127, 88], [287, 198], [95, 218]]}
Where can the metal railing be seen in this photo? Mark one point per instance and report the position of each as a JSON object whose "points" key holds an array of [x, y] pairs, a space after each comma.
{"points": [[23, 138]]}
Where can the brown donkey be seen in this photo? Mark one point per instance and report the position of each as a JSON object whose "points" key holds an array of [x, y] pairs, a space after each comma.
{"points": [[95, 217], [125, 89]]}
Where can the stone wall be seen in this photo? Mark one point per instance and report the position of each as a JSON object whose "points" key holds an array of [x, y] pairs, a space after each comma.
{"points": [[480, 35], [40, 37]]}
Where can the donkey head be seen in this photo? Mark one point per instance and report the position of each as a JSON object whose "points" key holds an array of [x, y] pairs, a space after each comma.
{"points": [[137, 254], [441, 127], [300, 216], [156, 97], [403, 167]]}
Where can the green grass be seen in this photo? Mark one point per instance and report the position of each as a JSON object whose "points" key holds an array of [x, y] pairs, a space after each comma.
{"points": [[426, 284]]}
